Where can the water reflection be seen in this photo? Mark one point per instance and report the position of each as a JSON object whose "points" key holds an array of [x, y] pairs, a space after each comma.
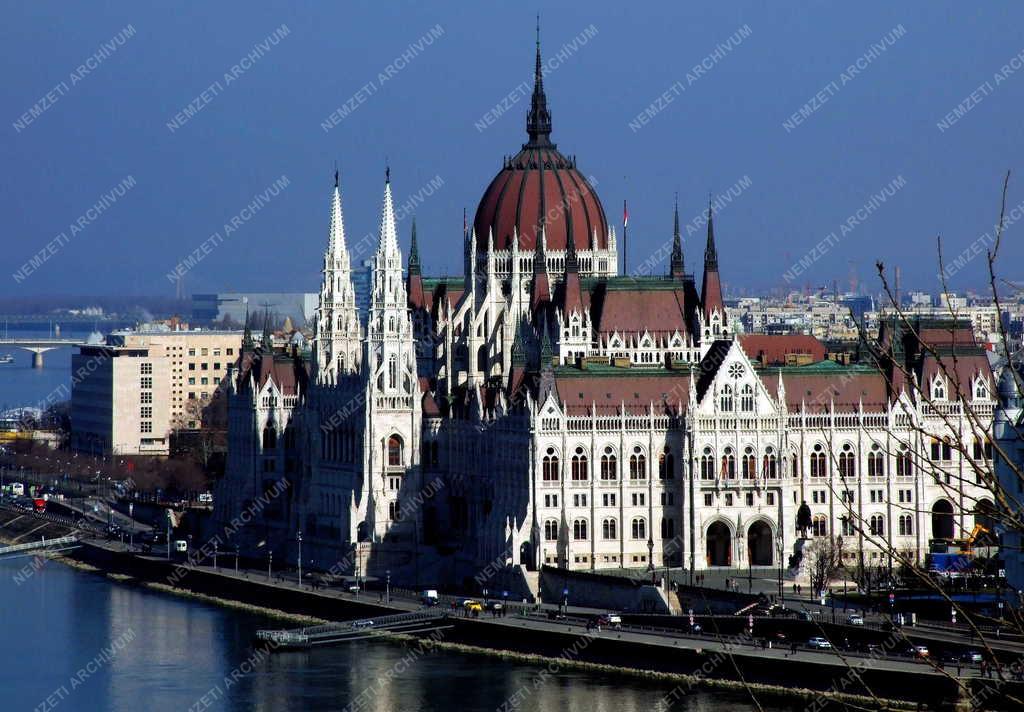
{"points": [[187, 655]]}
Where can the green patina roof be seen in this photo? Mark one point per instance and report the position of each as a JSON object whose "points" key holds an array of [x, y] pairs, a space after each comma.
{"points": [[603, 370], [453, 282], [826, 367]]}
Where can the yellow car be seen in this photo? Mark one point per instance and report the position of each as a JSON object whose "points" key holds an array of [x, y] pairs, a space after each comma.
{"points": [[473, 606]]}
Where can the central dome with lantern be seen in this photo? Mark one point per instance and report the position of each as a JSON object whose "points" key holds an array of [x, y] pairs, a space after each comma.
{"points": [[540, 187]]}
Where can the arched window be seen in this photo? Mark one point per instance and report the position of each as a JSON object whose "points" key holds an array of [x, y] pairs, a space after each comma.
{"points": [[747, 398], [819, 525], [938, 389], [481, 358], [609, 465], [906, 525], [579, 466], [579, 529], [395, 451], [666, 465], [637, 464], [770, 464], [269, 438], [551, 530], [748, 463], [794, 464], [981, 389], [550, 466], [668, 527], [847, 526], [393, 372], [877, 525], [609, 529], [728, 465], [904, 463], [876, 461], [639, 528], [847, 462], [725, 399], [707, 465], [819, 466]]}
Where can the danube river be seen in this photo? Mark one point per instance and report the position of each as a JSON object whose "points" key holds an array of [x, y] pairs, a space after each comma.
{"points": [[79, 641]]}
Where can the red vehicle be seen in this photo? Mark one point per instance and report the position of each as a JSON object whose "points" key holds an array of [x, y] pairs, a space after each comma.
{"points": [[39, 504]]}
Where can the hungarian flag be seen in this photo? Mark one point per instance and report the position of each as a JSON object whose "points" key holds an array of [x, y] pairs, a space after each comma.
{"points": [[625, 214]]}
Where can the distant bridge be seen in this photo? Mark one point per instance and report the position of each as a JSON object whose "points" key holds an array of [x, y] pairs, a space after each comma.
{"points": [[38, 347]]}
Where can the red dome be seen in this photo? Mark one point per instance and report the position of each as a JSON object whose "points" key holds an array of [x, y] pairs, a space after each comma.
{"points": [[540, 180]]}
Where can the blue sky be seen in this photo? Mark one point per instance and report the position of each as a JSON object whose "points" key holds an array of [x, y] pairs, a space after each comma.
{"points": [[100, 126]]}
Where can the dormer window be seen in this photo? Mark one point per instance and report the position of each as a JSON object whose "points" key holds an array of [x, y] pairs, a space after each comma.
{"points": [[938, 389], [980, 389]]}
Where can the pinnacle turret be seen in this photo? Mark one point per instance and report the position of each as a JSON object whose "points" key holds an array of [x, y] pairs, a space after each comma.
{"points": [[676, 268]]}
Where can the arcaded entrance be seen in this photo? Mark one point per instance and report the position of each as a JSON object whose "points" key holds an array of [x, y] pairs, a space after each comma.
{"points": [[759, 544], [719, 545]]}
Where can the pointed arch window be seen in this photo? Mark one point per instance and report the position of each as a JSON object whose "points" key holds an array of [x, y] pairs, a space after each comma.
{"points": [[637, 464], [707, 464], [269, 438], [395, 458], [393, 371], [728, 464], [579, 530], [609, 465], [579, 465], [639, 528], [549, 466], [876, 461], [748, 463], [747, 398], [819, 463], [666, 464], [725, 399], [847, 462], [551, 530], [770, 466], [609, 529]]}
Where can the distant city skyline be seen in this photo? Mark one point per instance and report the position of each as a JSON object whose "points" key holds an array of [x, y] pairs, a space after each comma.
{"points": [[150, 138]]}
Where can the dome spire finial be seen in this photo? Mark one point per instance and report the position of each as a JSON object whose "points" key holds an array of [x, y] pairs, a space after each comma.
{"points": [[538, 121]]}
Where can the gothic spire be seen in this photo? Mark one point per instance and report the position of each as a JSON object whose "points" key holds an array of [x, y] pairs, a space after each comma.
{"points": [[414, 253], [710, 252], [336, 245], [677, 245], [247, 343], [388, 229], [538, 121]]}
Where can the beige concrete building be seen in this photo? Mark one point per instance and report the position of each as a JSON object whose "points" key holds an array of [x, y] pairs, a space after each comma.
{"points": [[198, 363], [119, 401]]}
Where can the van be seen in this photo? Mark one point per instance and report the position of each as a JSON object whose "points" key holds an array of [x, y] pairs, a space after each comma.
{"points": [[428, 597], [17, 489], [206, 498]]}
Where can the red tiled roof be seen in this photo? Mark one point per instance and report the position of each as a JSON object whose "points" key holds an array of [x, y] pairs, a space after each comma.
{"points": [[607, 393], [817, 389], [653, 310], [772, 349]]}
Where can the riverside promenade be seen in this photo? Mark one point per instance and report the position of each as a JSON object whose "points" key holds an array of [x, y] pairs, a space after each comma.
{"points": [[645, 645]]}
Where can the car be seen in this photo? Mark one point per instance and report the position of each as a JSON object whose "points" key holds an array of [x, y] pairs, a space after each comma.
{"points": [[855, 619], [972, 656], [610, 620], [920, 651], [428, 597], [556, 616], [353, 588], [362, 624], [472, 606], [819, 643]]}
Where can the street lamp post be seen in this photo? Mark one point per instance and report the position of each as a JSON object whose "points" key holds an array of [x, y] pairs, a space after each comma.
{"points": [[215, 555], [236, 558], [270, 563], [298, 538], [387, 585]]}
